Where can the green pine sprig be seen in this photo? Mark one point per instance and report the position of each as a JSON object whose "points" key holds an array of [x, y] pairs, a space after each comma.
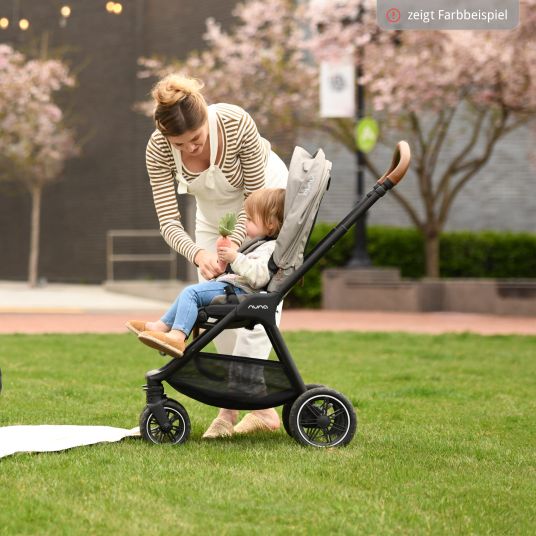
{"points": [[227, 224]]}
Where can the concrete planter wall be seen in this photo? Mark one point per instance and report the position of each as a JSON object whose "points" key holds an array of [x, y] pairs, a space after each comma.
{"points": [[384, 290]]}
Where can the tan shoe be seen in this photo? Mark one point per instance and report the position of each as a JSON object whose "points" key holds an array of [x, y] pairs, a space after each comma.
{"points": [[219, 428], [136, 326], [251, 424], [163, 342]]}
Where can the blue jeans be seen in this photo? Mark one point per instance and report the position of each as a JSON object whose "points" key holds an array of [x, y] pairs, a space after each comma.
{"points": [[182, 315]]}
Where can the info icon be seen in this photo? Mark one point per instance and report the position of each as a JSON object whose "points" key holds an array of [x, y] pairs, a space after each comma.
{"points": [[393, 15]]}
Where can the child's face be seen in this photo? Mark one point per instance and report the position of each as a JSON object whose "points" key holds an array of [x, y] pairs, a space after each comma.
{"points": [[254, 227]]}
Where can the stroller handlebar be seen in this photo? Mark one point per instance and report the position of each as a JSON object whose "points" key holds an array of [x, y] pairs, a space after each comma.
{"points": [[399, 165]]}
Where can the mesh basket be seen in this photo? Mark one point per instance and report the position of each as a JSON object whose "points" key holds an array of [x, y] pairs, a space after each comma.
{"points": [[233, 382]]}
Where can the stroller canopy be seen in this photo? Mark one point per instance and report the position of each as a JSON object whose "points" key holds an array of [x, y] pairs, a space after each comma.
{"points": [[308, 180]]}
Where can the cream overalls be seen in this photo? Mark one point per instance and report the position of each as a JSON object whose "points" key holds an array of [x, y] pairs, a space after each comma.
{"points": [[215, 197]]}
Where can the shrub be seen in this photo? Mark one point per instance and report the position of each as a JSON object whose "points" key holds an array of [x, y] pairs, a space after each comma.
{"points": [[492, 254]]}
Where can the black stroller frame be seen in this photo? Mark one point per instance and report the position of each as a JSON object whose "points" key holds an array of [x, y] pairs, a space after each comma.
{"points": [[312, 414]]}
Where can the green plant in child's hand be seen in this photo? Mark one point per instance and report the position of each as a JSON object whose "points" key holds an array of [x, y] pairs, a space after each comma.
{"points": [[225, 228], [227, 224]]}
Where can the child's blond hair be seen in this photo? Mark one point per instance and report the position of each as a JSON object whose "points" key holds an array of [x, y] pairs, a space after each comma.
{"points": [[268, 206]]}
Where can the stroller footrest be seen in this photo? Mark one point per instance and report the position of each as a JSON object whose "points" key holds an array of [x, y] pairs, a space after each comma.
{"points": [[216, 311]]}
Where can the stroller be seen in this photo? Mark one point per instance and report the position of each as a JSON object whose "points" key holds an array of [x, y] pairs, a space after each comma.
{"points": [[312, 414]]}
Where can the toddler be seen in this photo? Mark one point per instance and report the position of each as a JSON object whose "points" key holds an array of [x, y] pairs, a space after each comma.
{"points": [[264, 212]]}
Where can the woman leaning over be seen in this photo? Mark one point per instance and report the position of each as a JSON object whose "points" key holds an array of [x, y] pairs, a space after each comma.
{"points": [[216, 154]]}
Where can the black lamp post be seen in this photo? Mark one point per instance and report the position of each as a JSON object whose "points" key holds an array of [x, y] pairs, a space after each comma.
{"points": [[360, 258]]}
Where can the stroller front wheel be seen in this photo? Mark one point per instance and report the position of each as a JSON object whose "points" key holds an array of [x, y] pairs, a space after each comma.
{"points": [[178, 418], [322, 417], [285, 413]]}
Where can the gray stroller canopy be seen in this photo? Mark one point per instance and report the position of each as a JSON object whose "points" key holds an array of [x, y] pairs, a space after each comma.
{"points": [[308, 180]]}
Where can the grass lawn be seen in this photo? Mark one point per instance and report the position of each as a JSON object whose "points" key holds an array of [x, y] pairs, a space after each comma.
{"points": [[446, 443]]}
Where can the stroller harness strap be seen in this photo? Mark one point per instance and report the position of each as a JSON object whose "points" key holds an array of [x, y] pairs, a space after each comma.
{"points": [[251, 245]]}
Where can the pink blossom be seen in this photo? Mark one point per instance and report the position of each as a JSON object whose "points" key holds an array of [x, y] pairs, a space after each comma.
{"points": [[32, 134]]}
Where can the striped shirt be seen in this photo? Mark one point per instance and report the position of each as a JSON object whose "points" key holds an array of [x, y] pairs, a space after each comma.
{"points": [[243, 162]]}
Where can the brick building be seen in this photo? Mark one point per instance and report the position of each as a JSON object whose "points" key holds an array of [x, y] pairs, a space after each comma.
{"points": [[499, 197], [107, 186]]}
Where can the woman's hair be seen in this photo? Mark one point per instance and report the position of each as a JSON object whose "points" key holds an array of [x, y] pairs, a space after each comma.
{"points": [[268, 206], [179, 105]]}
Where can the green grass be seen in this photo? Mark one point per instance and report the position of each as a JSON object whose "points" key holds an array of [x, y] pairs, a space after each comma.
{"points": [[445, 444]]}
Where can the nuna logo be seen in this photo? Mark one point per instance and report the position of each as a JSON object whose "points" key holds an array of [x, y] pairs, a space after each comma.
{"points": [[255, 307]]}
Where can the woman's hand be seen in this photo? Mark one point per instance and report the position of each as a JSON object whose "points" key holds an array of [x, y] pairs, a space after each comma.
{"points": [[227, 253], [208, 264]]}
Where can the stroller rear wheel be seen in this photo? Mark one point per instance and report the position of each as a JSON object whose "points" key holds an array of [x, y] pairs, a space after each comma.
{"points": [[322, 417], [285, 413], [180, 424]]}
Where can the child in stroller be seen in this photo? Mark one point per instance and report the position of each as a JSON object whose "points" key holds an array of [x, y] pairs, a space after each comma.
{"points": [[312, 414], [249, 273]]}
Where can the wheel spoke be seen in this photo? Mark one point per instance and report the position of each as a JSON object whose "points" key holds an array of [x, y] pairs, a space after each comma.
{"points": [[325, 433], [314, 410], [315, 433], [309, 424], [336, 413], [337, 428]]}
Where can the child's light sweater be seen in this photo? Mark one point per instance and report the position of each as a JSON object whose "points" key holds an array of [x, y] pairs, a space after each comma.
{"points": [[251, 271]]}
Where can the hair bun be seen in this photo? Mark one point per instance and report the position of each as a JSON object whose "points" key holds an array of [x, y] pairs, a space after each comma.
{"points": [[175, 88]]}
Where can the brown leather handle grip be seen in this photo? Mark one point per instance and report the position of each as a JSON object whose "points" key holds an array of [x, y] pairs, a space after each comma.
{"points": [[399, 165]]}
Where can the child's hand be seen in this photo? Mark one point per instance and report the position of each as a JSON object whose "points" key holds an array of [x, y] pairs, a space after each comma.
{"points": [[227, 254]]}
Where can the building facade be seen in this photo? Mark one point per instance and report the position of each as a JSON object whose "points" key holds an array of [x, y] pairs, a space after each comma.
{"points": [[107, 187]]}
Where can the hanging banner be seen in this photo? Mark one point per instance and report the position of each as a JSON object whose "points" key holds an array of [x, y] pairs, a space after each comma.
{"points": [[337, 88]]}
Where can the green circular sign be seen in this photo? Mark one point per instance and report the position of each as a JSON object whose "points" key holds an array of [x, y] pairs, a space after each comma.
{"points": [[366, 134]]}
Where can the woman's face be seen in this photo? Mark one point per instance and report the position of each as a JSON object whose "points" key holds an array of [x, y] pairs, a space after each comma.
{"points": [[191, 142]]}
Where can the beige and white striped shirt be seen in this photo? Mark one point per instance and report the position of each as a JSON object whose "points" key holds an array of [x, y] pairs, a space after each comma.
{"points": [[243, 162]]}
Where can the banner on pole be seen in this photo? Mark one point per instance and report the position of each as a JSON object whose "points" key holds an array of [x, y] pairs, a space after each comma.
{"points": [[337, 88], [366, 134]]}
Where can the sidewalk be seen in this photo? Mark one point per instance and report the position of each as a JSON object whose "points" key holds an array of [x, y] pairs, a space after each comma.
{"points": [[60, 308]]}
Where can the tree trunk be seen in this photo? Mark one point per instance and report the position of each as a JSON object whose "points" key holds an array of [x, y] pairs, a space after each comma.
{"points": [[431, 248], [34, 235]]}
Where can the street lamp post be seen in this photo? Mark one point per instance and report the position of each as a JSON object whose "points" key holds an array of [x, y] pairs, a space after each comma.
{"points": [[360, 258]]}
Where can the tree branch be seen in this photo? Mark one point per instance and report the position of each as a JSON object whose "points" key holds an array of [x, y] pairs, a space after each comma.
{"points": [[438, 142], [474, 166], [453, 167], [412, 213], [417, 128], [331, 131]]}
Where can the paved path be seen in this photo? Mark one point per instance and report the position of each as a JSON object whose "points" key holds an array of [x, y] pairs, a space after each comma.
{"points": [[293, 319], [59, 308]]}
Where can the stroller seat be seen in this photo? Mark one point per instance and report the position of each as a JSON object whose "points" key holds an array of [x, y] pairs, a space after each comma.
{"points": [[312, 414]]}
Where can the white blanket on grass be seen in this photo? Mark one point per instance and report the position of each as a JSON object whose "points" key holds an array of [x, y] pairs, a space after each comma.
{"points": [[51, 438]]}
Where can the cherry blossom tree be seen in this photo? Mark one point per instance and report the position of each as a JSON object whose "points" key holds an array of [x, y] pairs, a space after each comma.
{"points": [[420, 85], [260, 65], [34, 142], [419, 82]]}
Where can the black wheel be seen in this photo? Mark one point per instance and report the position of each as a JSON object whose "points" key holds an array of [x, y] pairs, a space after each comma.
{"points": [[286, 409], [180, 424], [322, 417]]}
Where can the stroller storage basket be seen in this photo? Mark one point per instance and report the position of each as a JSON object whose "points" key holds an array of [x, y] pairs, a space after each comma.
{"points": [[233, 381]]}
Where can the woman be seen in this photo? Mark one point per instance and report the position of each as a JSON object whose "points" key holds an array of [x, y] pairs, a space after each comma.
{"points": [[216, 154]]}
